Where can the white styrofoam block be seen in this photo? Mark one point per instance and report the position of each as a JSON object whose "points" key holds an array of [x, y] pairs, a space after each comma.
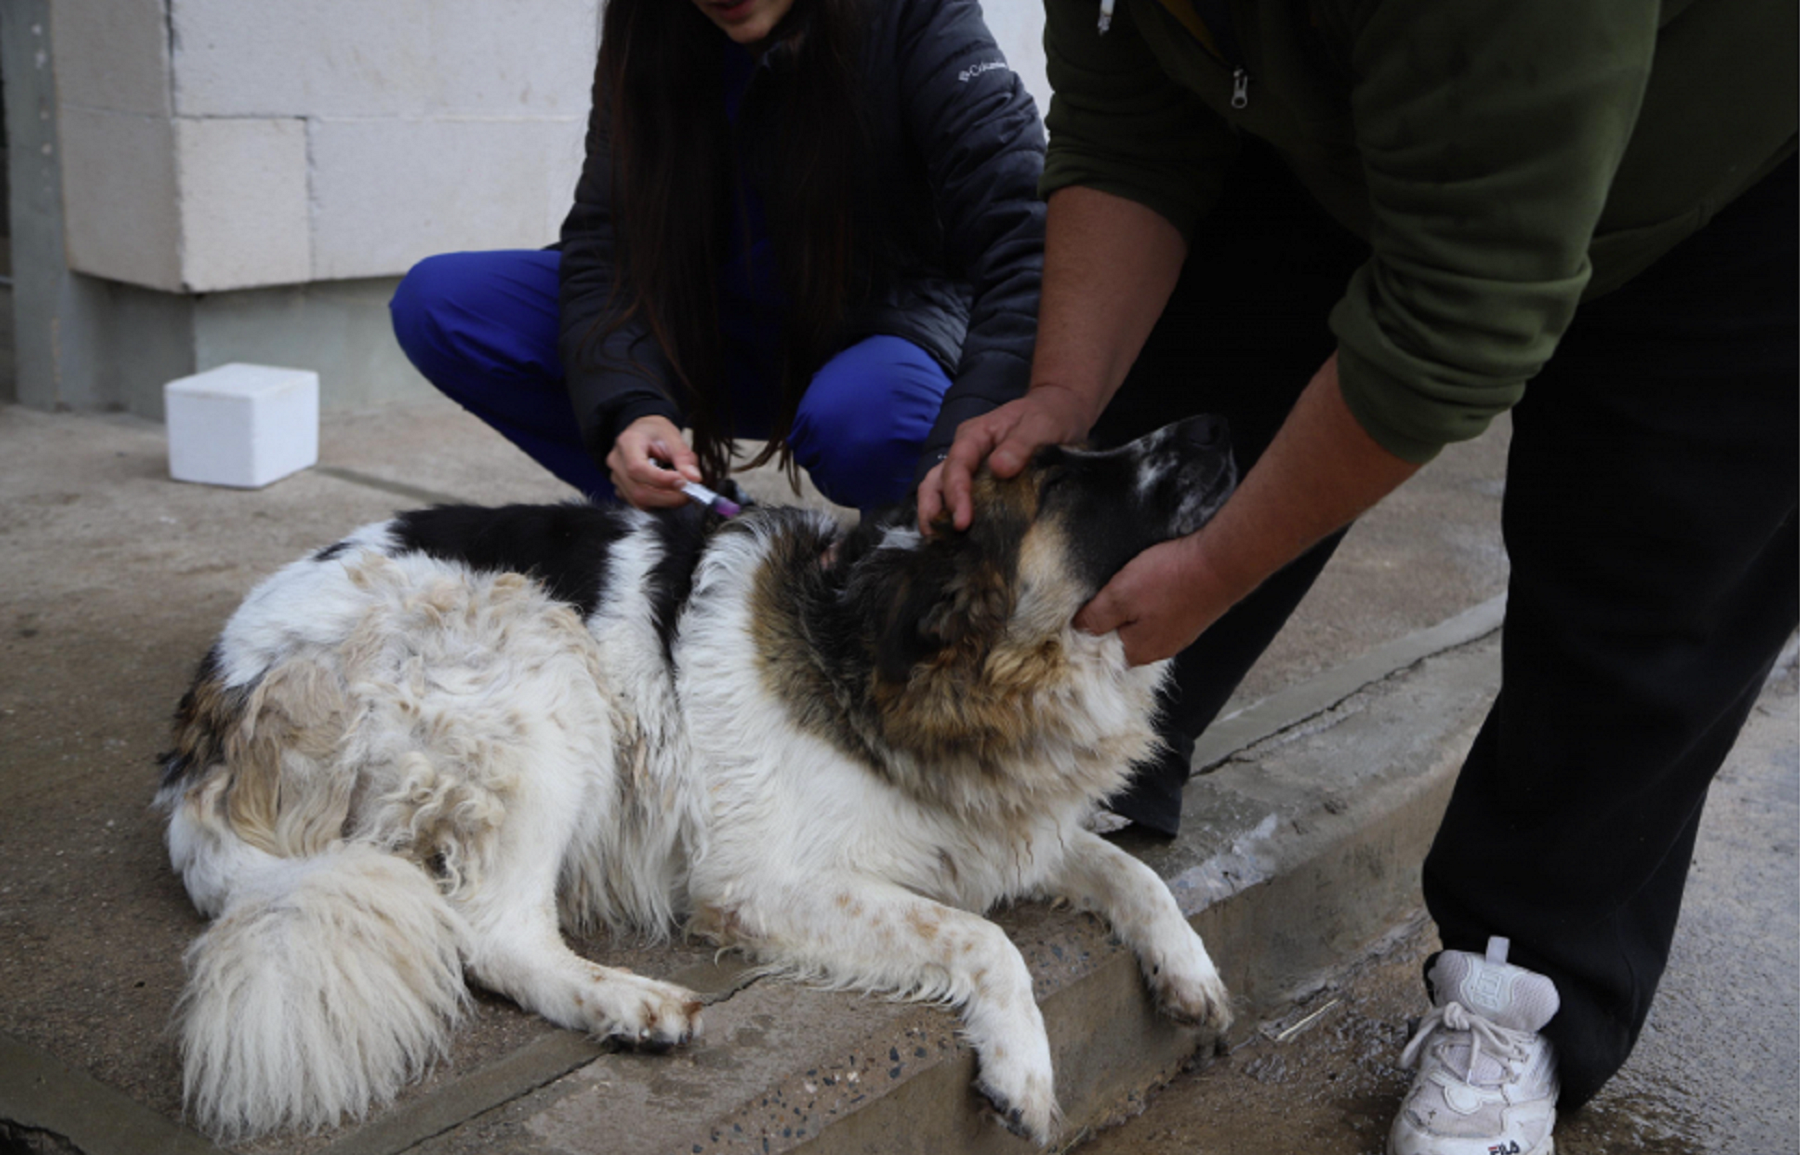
{"points": [[242, 425]]}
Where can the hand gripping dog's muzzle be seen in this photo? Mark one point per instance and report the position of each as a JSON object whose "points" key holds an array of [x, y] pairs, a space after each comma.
{"points": [[1164, 485]]}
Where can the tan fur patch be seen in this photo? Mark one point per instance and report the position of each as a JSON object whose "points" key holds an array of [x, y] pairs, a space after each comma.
{"points": [[209, 711], [923, 923], [283, 798], [721, 925], [258, 757], [987, 698]]}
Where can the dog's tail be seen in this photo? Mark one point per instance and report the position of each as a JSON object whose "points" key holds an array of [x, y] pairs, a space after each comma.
{"points": [[324, 985]]}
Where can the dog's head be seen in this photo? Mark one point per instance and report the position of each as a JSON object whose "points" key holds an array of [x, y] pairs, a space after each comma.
{"points": [[1040, 546], [951, 659]]}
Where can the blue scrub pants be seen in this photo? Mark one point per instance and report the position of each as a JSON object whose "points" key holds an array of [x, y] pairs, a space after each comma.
{"points": [[483, 328]]}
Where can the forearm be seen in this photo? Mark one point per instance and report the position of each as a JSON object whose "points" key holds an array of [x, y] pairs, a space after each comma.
{"points": [[1109, 267], [1322, 471]]}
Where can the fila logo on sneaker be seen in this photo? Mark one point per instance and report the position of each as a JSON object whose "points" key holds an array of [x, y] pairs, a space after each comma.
{"points": [[1487, 989], [1504, 1149]]}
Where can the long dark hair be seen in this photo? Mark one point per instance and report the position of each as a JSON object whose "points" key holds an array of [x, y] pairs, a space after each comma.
{"points": [[673, 177]]}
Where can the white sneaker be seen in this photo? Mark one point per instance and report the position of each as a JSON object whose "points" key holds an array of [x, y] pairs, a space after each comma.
{"points": [[1487, 1080]]}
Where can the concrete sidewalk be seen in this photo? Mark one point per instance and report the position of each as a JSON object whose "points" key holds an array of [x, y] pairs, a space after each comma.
{"points": [[1300, 846]]}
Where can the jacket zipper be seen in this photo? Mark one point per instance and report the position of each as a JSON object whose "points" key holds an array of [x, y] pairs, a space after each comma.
{"points": [[1240, 76]]}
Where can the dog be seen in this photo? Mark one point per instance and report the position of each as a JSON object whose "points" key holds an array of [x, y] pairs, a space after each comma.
{"points": [[417, 754]]}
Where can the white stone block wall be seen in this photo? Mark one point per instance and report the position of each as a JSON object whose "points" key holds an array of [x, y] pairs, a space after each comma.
{"points": [[231, 144], [388, 191], [1018, 28], [237, 177], [116, 57], [383, 58], [119, 183]]}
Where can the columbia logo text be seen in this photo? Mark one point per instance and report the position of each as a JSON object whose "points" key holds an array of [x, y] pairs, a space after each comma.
{"points": [[975, 70]]}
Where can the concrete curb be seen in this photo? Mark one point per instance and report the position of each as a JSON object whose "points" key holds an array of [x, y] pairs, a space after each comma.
{"points": [[47, 1105]]}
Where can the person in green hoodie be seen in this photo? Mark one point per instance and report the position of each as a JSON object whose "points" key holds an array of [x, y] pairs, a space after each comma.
{"points": [[1361, 229]]}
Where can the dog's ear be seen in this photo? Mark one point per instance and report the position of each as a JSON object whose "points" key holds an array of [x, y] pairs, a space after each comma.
{"points": [[950, 605]]}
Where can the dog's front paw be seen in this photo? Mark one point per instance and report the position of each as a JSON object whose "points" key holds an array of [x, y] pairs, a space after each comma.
{"points": [[1187, 986], [1021, 1092], [638, 1012], [1017, 1080], [1194, 1001]]}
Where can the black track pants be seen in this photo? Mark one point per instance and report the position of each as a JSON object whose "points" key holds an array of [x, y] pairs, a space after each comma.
{"points": [[1650, 520], [1242, 335]]}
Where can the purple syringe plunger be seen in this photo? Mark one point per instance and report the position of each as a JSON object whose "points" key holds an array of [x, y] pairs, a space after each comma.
{"points": [[722, 506]]}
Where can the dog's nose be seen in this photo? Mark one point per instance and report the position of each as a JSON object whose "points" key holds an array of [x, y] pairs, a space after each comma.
{"points": [[1206, 431]]}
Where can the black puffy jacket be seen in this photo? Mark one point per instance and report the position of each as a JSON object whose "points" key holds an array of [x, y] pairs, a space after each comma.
{"points": [[956, 233]]}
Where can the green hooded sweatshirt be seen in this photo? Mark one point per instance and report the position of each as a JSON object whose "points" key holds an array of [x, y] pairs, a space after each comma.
{"points": [[1505, 159]]}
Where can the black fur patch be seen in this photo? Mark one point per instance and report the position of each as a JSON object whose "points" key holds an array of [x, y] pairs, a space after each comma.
{"points": [[683, 536], [1095, 491], [562, 547], [1122, 509], [955, 590], [205, 715], [331, 551]]}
